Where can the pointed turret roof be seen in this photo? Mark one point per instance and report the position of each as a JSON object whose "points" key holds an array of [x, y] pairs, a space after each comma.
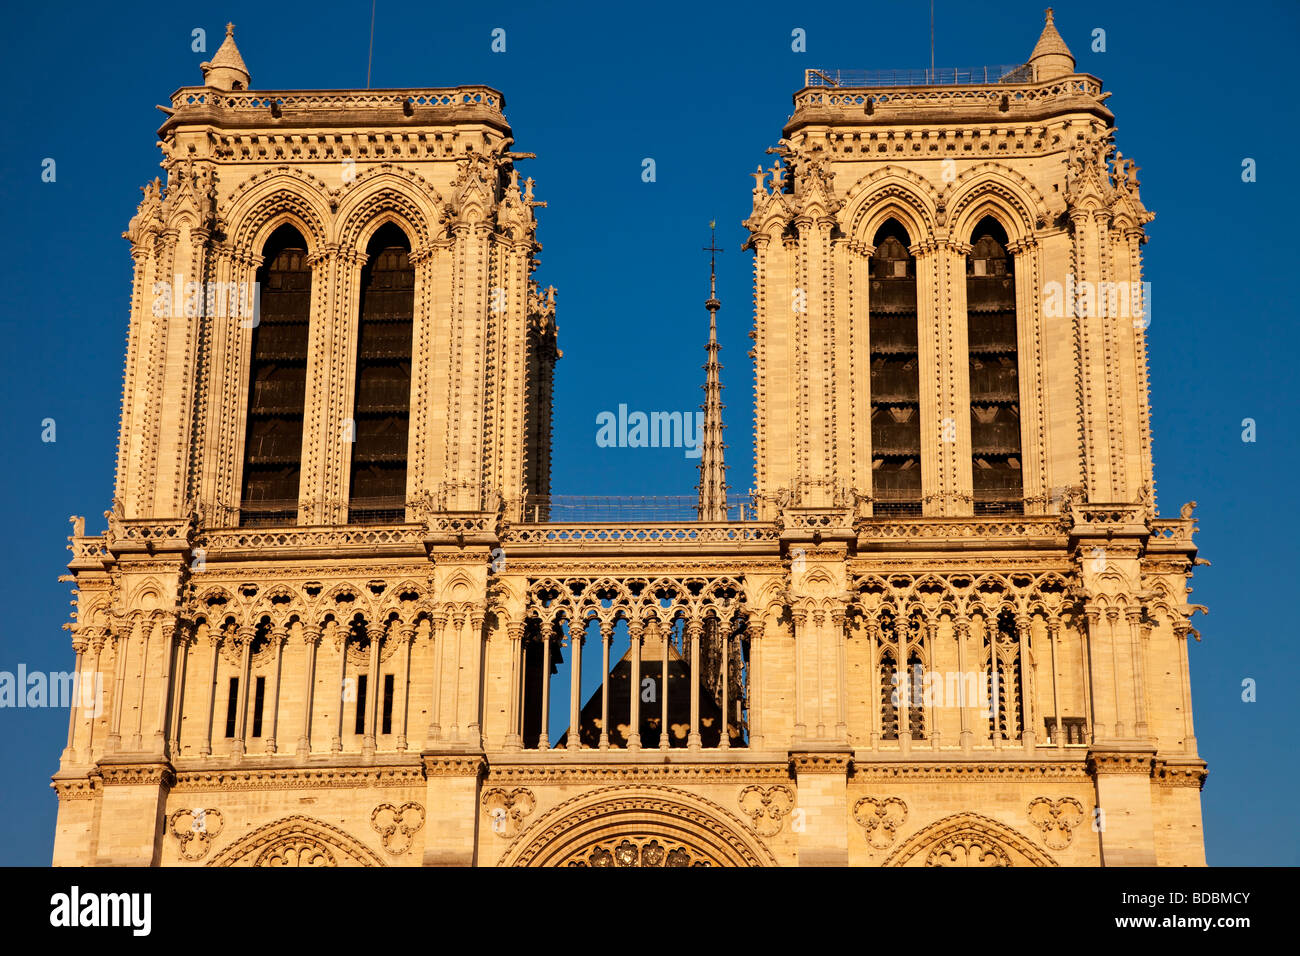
{"points": [[1051, 57], [226, 70]]}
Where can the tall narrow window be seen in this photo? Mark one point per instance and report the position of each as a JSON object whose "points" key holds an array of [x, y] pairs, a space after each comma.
{"points": [[232, 706], [383, 388], [387, 726], [360, 724], [895, 379], [994, 378], [277, 383], [259, 701]]}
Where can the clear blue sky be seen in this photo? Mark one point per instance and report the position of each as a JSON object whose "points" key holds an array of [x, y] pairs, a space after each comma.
{"points": [[593, 90]]}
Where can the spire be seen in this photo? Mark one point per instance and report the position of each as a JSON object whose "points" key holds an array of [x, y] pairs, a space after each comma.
{"points": [[713, 469], [1051, 57], [226, 71]]}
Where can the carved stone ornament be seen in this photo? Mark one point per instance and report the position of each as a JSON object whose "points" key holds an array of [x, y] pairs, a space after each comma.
{"points": [[880, 818], [766, 807], [506, 809], [195, 829], [396, 825], [1056, 819]]}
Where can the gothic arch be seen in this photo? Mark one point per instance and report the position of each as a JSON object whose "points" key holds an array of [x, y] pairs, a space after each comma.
{"points": [[297, 841], [991, 189], [968, 839], [589, 830], [283, 197], [892, 192], [382, 196]]}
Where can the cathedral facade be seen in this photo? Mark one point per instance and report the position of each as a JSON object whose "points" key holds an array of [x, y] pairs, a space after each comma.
{"points": [[946, 627]]}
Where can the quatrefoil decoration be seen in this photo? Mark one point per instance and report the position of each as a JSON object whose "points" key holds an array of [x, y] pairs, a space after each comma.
{"points": [[506, 809], [880, 818], [396, 825], [766, 807], [195, 829], [1056, 819]]}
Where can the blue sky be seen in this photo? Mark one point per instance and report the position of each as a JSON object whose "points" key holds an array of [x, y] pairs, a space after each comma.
{"points": [[594, 90]]}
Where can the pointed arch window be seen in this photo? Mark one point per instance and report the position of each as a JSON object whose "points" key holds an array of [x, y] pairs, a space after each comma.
{"points": [[277, 383], [994, 373], [895, 378], [381, 416]]}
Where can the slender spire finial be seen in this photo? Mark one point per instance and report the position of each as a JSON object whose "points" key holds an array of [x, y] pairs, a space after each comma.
{"points": [[713, 469]]}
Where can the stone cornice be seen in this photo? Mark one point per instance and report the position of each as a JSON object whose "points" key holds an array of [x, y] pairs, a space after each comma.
{"points": [[1179, 772], [410, 775], [835, 761]]}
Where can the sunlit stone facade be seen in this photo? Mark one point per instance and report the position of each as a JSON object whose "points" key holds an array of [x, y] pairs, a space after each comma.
{"points": [[948, 628]]}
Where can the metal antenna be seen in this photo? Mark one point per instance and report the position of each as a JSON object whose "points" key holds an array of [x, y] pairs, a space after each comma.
{"points": [[370, 59], [931, 41]]}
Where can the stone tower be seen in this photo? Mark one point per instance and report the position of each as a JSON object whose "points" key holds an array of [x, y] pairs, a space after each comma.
{"points": [[948, 628]]}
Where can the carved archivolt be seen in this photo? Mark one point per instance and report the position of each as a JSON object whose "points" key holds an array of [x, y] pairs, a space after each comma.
{"points": [[297, 841], [968, 839], [575, 830], [880, 818], [1056, 819], [195, 829], [766, 807], [396, 825]]}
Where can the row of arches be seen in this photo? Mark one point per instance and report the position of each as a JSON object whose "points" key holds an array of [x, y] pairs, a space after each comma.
{"points": [[281, 342], [992, 350]]}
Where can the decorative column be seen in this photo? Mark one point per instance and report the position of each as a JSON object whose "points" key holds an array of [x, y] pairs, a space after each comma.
{"points": [[406, 635], [902, 635], [799, 619], [694, 628], [310, 641], [457, 629], [1181, 627], [1093, 617], [340, 635], [1054, 638], [515, 631], [664, 640], [146, 632], [634, 687], [122, 643], [278, 638], [168, 628], [476, 621], [215, 638], [375, 632], [839, 622], [961, 630], [246, 635], [755, 683], [606, 636], [97, 641], [1028, 736], [1112, 622], [577, 634], [1138, 644], [79, 648], [437, 629], [547, 635], [185, 639]]}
